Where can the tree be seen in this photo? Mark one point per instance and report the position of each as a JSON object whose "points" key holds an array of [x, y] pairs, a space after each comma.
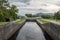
{"points": [[12, 11], [7, 13], [2, 9], [57, 15], [28, 15], [46, 16]]}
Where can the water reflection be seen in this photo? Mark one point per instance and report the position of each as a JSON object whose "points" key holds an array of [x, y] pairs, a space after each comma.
{"points": [[30, 31]]}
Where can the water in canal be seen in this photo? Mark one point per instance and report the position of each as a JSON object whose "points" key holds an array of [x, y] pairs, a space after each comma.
{"points": [[30, 31]]}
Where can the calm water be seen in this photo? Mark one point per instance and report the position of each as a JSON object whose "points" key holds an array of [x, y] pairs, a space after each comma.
{"points": [[30, 31]]}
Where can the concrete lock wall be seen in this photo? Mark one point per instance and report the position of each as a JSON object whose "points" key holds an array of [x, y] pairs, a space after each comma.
{"points": [[7, 30], [52, 29]]}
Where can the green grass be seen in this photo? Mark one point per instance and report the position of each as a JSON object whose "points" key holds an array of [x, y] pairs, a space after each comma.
{"points": [[54, 20], [19, 20], [2, 23], [43, 21], [16, 21], [57, 21]]}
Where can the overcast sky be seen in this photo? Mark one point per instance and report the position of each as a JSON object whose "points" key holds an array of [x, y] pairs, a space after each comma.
{"points": [[35, 6]]}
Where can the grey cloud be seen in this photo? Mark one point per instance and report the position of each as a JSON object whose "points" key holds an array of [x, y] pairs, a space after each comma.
{"points": [[24, 1], [24, 8]]}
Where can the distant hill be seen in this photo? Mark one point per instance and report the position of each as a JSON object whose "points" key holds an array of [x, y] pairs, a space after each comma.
{"points": [[50, 14]]}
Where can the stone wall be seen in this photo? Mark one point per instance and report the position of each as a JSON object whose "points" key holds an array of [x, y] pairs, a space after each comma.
{"points": [[7, 30], [52, 29]]}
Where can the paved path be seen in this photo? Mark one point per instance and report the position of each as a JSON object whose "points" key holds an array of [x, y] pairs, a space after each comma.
{"points": [[30, 31]]}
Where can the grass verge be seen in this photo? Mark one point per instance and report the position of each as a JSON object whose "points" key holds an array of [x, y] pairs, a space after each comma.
{"points": [[2, 23], [16, 21], [43, 21], [19, 21]]}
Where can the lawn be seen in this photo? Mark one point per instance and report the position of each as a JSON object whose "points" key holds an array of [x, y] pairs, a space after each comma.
{"points": [[49, 20], [19, 20], [16, 21], [57, 21], [43, 21], [54, 20], [2, 23]]}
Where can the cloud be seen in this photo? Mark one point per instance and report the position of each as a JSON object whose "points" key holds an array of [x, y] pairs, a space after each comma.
{"points": [[25, 1], [34, 6]]}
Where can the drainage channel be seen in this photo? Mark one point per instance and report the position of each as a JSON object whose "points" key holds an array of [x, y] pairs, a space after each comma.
{"points": [[30, 31]]}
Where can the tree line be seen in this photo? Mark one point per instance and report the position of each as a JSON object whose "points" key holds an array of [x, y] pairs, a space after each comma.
{"points": [[56, 15], [7, 12], [30, 15]]}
